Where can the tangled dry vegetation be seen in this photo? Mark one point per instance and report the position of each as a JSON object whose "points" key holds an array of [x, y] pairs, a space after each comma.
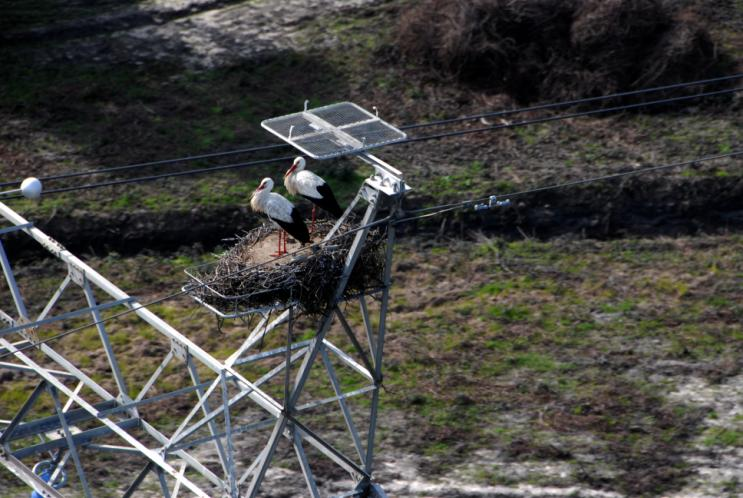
{"points": [[560, 49], [238, 281]]}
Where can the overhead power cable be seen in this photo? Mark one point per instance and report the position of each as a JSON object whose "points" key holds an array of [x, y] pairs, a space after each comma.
{"points": [[151, 178], [417, 214], [408, 140], [560, 117], [491, 114], [568, 103], [443, 208], [162, 162]]}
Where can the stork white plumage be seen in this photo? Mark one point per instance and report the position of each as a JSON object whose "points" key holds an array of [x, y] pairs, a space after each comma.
{"points": [[299, 181], [281, 212]]}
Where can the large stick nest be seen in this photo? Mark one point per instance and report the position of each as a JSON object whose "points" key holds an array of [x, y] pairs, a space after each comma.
{"points": [[239, 281], [560, 49]]}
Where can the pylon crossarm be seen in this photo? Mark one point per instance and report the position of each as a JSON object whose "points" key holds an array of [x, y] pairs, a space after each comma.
{"points": [[259, 397], [152, 455], [69, 367], [152, 399], [177, 436]]}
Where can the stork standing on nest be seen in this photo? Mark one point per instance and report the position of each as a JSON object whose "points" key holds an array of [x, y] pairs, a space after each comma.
{"points": [[299, 181], [281, 212]]}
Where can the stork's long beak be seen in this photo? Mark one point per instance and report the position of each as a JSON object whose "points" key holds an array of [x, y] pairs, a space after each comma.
{"points": [[290, 170]]}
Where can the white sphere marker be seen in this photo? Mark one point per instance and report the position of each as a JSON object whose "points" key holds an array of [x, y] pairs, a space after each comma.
{"points": [[31, 188]]}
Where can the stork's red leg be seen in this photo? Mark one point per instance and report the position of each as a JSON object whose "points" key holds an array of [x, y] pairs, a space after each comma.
{"points": [[312, 227], [285, 236], [278, 250]]}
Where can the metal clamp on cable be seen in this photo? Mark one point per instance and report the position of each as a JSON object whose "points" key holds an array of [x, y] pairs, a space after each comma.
{"points": [[492, 202]]}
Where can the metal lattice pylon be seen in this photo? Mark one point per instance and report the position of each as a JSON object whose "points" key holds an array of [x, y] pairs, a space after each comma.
{"points": [[252, 391]]}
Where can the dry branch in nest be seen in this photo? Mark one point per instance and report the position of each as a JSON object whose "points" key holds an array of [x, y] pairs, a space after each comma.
{"points": [[560, 49], [239, 282]]}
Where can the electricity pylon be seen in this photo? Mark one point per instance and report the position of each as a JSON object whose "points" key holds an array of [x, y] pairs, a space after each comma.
{"points": [[233, 399]]}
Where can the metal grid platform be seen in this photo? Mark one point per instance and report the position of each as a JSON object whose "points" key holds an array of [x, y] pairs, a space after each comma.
{"points": [[333, 130]]}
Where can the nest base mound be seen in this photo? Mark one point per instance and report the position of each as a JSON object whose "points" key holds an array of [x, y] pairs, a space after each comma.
{"points": [[248, 278]]}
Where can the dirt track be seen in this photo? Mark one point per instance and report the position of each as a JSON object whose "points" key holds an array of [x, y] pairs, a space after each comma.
{"points": [[198, 33]]}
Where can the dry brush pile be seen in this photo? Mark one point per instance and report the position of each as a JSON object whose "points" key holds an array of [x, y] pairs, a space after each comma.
{"points": [[559, 49]]}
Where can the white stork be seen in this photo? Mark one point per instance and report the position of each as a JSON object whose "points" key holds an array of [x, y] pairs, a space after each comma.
{"points": [[299, 181], [281, 212]]}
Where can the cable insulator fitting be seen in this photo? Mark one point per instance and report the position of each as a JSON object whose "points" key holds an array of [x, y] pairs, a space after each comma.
{"points": [[492, 202]]}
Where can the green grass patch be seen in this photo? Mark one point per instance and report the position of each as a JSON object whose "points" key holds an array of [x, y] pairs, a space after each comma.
{"points": [[721, 436], [516, 313], [536, 362]]}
